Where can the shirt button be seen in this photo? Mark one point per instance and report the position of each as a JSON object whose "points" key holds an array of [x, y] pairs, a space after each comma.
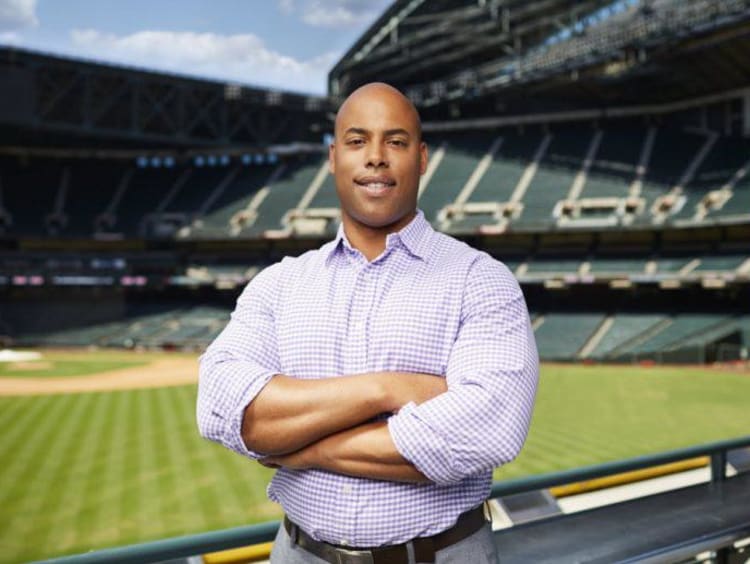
{"points": [[344, 542], [347, 489]]}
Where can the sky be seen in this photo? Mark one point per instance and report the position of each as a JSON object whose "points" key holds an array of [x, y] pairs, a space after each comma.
{"points": [[281, 44]]}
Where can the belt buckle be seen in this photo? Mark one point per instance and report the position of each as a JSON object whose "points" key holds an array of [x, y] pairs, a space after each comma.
{"points": [[346, 556]]}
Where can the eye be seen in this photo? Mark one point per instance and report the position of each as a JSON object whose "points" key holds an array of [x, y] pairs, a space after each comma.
{"points": [[398, 142], [355, 141]]}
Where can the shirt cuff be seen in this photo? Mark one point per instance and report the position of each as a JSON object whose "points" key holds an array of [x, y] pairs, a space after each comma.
{"points": [[233, 425], [426, 449]]}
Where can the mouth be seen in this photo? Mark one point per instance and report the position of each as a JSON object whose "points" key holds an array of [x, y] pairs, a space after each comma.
{"points": [[375, 185]]}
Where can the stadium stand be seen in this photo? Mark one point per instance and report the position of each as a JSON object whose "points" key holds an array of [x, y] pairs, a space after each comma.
{"points": [[575, 176], [622, 328], [28, 215], [554, 178], [215, 215], [614, 166], [459, 156], [496, 191], [738, 203], [147, 327], [666, 335], [318, 211], [671, 165], [141, 194], [285, 192], [708, 188], [602, 266], [551, 266], [562, 336], [89, 189]]}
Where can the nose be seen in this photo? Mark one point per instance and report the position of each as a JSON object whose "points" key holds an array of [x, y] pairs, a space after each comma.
{"points": [[376, 156]]}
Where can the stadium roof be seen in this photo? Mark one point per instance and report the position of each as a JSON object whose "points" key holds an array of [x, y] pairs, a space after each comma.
{"points": [[571, 54], [420, 40], [73, 101]]}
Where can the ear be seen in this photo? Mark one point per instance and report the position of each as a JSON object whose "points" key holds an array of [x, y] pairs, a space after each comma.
{"points": [[422, 158], [331, 158]]}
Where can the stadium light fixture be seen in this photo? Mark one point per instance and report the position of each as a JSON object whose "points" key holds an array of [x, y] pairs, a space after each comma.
{"points": [[259, 158], [224, 160], [211, 160], [246, 159], [156, 162], [169, 162], [141, 162]]}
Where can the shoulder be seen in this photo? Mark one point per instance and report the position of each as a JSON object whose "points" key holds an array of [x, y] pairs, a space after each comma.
{"points": [[310, 261], [448, 251], [291, 267], [272, 279], [485, 281]]}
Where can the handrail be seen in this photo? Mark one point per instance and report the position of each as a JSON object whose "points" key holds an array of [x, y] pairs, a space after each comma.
{"points": [[542, 481], [177, 547], [189, 545]]}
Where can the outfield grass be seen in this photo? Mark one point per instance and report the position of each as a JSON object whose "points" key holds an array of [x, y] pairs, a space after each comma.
{"points": [[590, 414], [84, 471], [56, 364]]}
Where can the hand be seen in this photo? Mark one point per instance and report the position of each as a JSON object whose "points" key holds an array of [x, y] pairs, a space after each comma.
{"points": [[267, 463], [302, 459]]}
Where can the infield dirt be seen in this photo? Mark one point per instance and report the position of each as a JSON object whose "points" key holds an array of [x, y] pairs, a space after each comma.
{"points": [[158, 374]]}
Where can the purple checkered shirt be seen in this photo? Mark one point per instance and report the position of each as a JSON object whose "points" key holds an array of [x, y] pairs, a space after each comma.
{"points": [[427, 304]]}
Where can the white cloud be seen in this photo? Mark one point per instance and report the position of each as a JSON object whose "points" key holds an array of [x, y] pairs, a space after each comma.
{"points": [[334, 13], [17, 14], [9, 38], [287, 6], [242, 58]]}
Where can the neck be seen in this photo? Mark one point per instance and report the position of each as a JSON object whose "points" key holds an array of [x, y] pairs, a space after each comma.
{"points": [[370, 241]]}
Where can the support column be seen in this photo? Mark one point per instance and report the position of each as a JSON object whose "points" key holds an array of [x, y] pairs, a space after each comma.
{"points": [[746, 114]]}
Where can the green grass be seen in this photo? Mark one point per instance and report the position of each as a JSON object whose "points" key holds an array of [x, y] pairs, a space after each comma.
{"points": [[86, 471], [73, 363], [83, 471], [591, 414]]}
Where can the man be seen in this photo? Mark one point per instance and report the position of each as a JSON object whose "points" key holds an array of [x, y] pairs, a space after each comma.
{"points": [[385, 374]]}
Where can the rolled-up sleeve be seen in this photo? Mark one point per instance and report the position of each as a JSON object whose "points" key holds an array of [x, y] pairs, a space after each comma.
{"points": [[482, 420], [239, 363]]}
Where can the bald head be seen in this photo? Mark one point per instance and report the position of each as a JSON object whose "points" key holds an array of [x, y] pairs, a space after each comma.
{"points": [[377, 157], [379, 92]]}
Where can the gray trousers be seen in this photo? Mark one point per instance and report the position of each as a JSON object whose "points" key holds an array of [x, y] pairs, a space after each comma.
{"points": [[479, 548]]}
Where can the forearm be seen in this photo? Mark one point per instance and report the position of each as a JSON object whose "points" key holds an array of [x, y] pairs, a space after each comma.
{"points": [[289, 414], [365, 451]]}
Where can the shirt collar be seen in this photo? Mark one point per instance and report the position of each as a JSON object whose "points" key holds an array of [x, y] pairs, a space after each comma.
{"points": [[414, 237]]}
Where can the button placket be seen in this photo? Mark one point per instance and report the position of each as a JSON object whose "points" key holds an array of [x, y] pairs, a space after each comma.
{"points": [[352, 345], [371, 277], [362, 299]]}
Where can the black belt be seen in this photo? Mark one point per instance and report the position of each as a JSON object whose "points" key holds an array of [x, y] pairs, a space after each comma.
{"points": [[424, 547]]}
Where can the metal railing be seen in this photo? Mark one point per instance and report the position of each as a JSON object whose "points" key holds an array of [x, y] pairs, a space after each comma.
{"points": [[190, 545]]}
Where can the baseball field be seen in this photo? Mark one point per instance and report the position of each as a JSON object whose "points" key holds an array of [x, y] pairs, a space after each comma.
{"points": [[100, 448]]}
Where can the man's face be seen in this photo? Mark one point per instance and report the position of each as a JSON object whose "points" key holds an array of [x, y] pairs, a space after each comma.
{"points": [[377, 158]]}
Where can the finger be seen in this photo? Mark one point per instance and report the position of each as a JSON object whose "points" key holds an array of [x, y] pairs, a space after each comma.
{"points": [[268, 463]]}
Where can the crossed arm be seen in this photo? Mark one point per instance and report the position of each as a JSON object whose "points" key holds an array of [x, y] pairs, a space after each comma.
{"points": [[446, 429], [249, 406], [325, 423]]}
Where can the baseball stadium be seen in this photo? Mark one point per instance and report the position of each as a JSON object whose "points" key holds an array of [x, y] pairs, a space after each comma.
{"points": [[600, 149]]}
